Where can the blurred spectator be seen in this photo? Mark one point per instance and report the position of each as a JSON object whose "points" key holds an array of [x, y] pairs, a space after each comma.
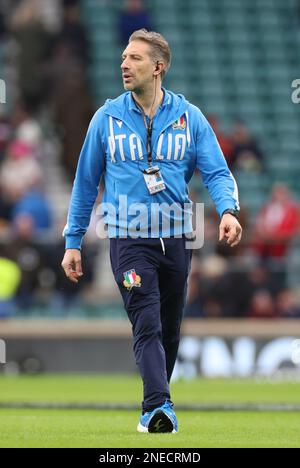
{"points": [[51, 12], [10, 276], [30, 256], [5, 131], [26, 127], [262, 305], [224, 140], [202, 300], [2, 24], [134, 16], [19, 171], [194, 306], [218, 288], [73, 111], [5, 210], [276, 225], [65, 294], [33, 43], [286, 304], [73, 35], [40, 276], [70, 100], [261, 278], [62, 65], [33, 204], [246, 154], [232, 301]]}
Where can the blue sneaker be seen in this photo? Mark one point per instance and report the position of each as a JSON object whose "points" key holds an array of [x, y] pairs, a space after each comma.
{"points": [[161, 419]]}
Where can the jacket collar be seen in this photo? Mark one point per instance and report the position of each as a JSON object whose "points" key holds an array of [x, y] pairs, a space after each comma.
{"points": [[133, 106], [119, 107]]}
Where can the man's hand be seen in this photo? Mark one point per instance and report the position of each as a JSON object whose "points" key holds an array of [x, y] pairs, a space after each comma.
{"points": [[231, 229], [72, 264]]}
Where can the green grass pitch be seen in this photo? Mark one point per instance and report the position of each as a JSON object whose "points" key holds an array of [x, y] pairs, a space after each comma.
{"points": [[24, 427]]}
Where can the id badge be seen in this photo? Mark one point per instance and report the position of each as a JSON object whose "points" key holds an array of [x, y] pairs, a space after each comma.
{"points": [[154, 180]]}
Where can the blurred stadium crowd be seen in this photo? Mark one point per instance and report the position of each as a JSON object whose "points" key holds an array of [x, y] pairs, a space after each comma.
{"points": [[46, 60]]}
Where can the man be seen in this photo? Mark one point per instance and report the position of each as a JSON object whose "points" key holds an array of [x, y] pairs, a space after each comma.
{"points": [[147, 143]]}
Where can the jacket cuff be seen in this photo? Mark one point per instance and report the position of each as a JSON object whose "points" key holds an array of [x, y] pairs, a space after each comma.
{"points": [[226, 205], [73, 242]]}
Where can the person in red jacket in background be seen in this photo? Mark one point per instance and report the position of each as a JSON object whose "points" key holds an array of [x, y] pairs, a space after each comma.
{"points": [[277, 224], [225, 141]]}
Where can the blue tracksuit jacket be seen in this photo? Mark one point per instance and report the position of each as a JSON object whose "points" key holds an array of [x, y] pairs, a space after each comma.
{"points": [[115, 148]]}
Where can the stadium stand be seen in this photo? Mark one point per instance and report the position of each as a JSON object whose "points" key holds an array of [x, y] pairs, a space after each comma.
{"points": [[236, 61], [233, 59]]}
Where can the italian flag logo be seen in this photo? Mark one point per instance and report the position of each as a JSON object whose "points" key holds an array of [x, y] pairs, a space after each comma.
{"points": [[179, 124], [131, 279]]}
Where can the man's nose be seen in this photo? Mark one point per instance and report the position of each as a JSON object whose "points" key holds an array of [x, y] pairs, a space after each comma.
{"points": [[124, 65]]}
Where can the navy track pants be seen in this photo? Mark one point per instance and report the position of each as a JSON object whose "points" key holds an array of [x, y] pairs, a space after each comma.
{"points": [[152, 277]]}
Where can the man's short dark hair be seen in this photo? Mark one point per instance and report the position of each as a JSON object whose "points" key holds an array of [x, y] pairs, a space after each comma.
{"points": [[160, 49]]}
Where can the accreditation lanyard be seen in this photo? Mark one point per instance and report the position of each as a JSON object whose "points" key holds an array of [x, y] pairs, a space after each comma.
{"points": [[149, 126], [152, 175]]}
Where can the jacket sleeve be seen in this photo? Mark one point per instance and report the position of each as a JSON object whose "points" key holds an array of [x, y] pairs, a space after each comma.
{"points": [[90, 168], [212, 165]]}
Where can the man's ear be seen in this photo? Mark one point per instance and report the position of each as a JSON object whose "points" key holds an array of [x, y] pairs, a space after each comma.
{"points": [[157, 69]]}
